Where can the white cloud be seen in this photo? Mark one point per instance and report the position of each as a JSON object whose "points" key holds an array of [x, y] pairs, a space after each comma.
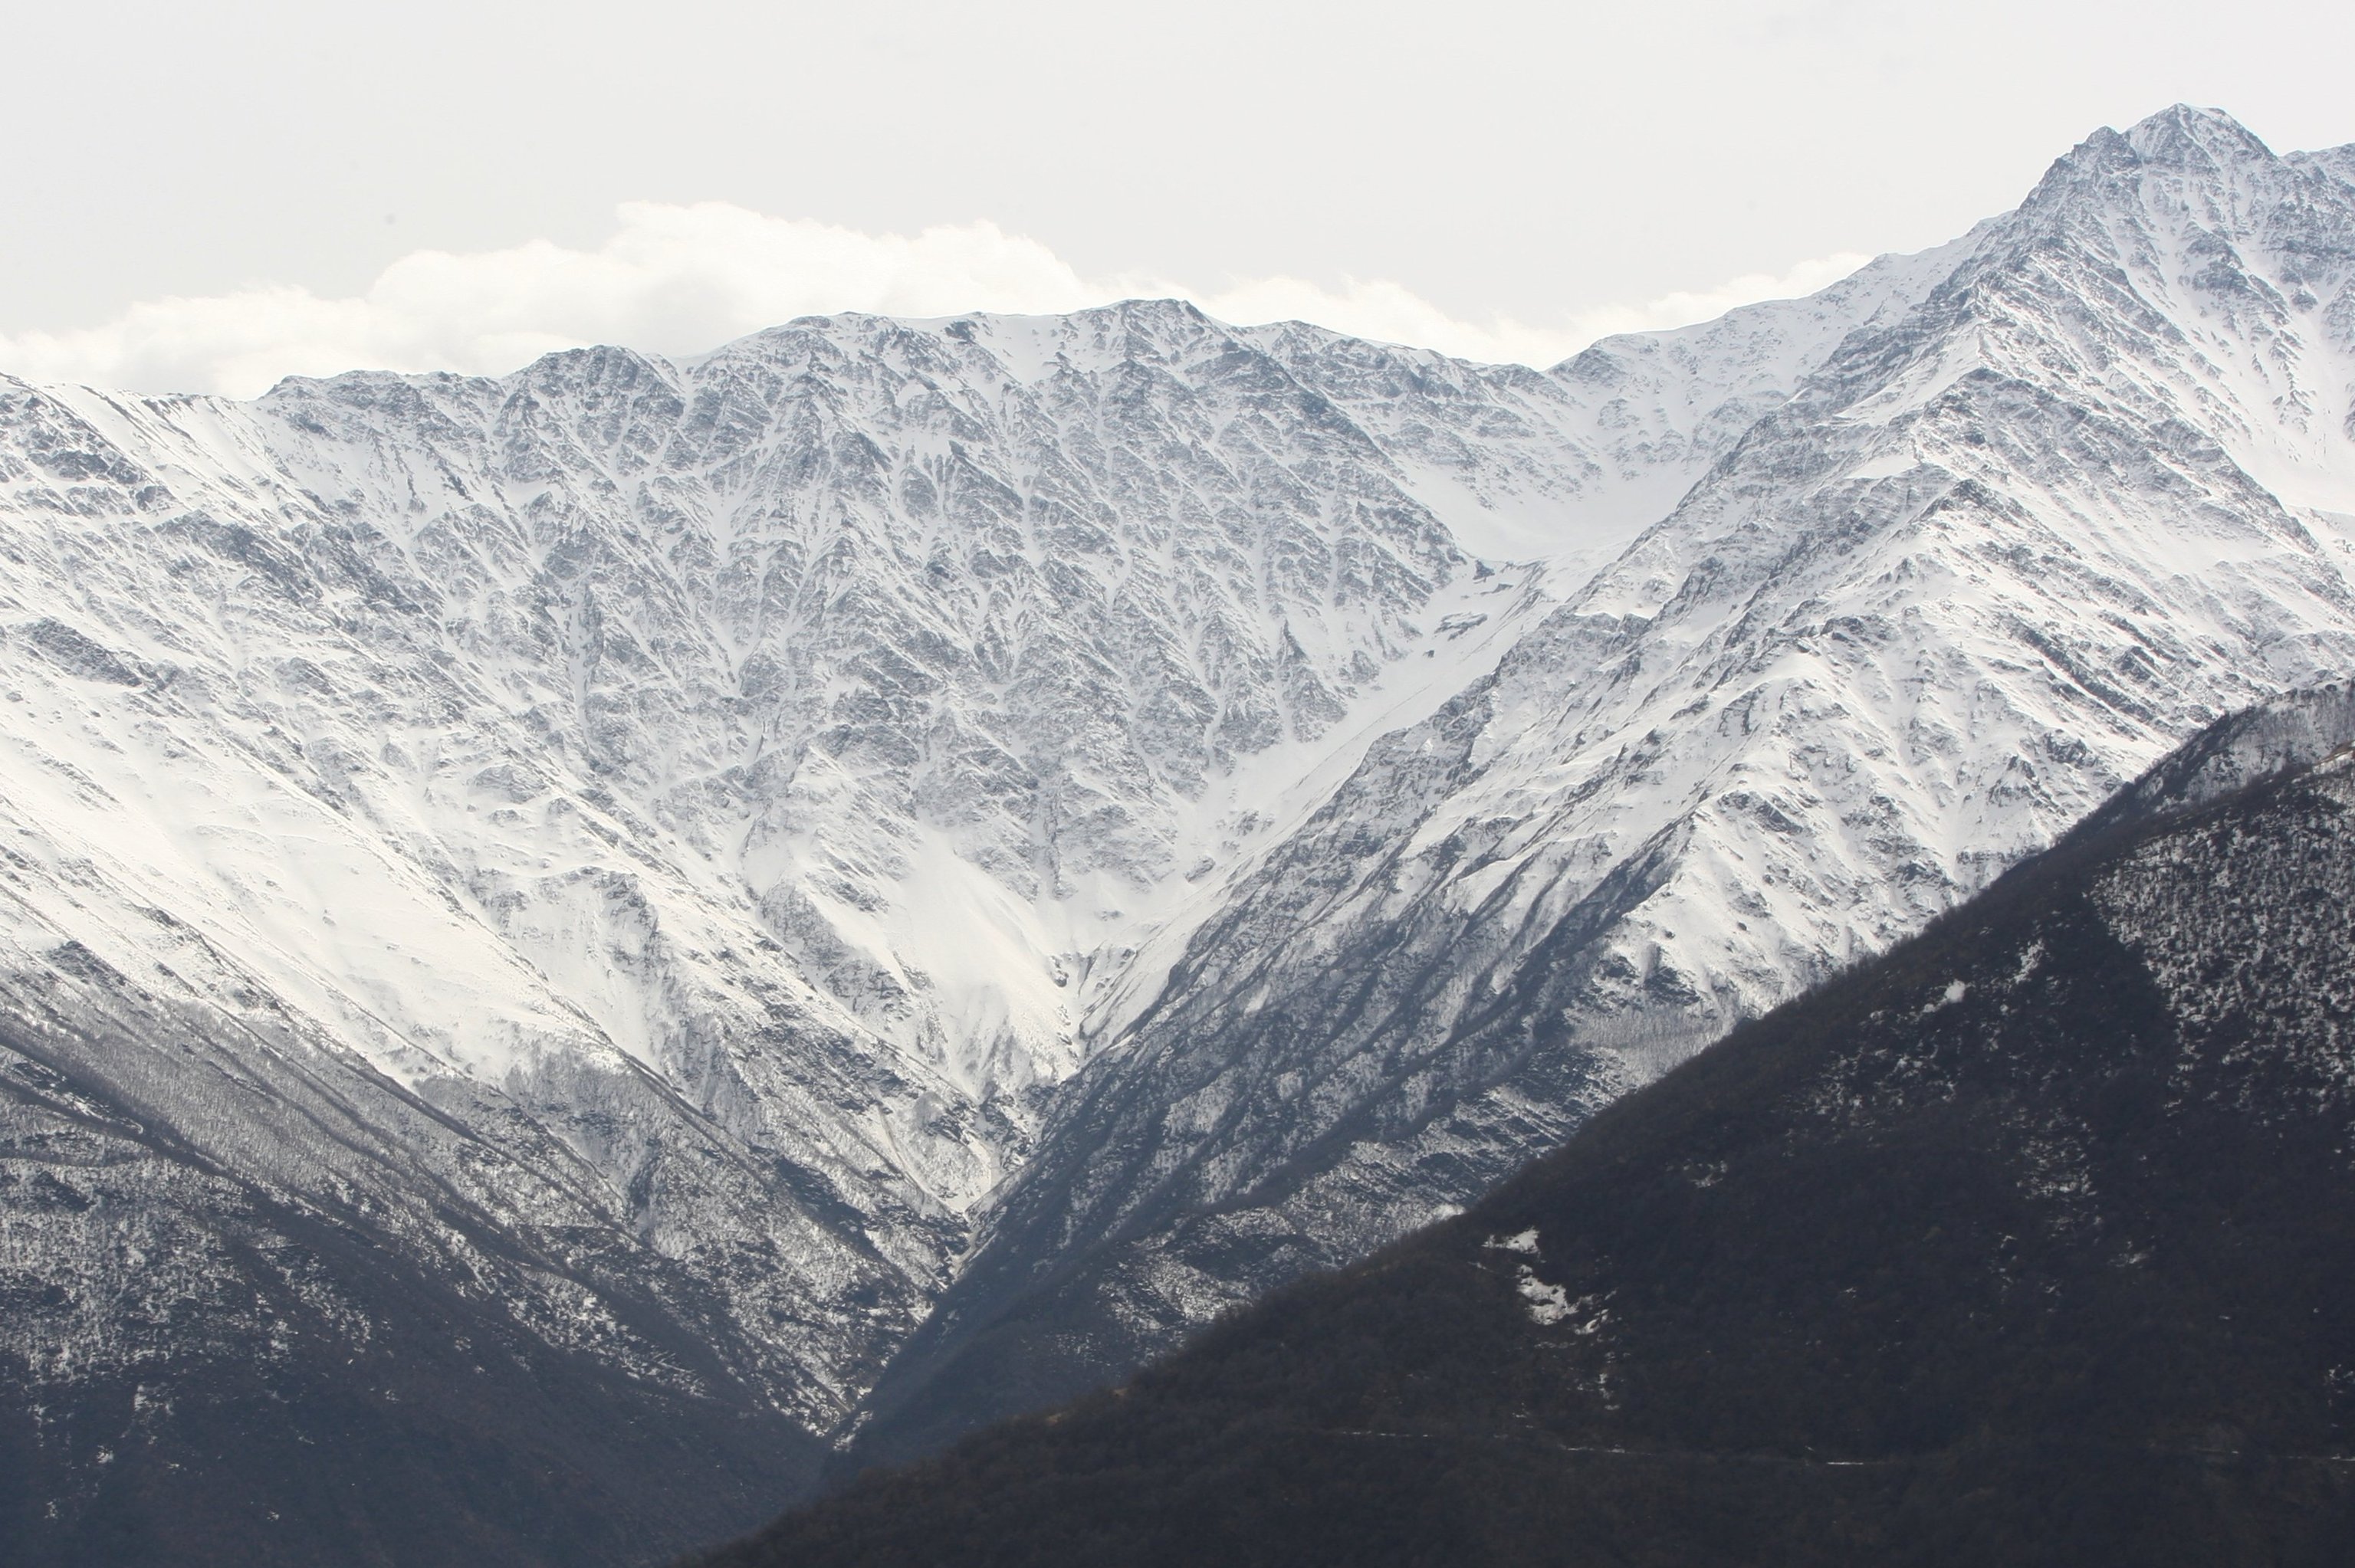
{"points": [[681, 280], [1686, 306]]}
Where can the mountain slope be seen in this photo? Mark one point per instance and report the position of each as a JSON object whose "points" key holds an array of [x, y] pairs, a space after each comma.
{"points": [[2015, 536], [2032, 1241]]}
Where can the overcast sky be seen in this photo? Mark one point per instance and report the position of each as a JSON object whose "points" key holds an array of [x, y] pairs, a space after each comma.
{"points": [[206, 195]]}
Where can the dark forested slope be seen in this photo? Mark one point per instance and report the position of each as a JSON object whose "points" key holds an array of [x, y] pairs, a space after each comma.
{"points": [[292, 1383], [2031, 1241]]}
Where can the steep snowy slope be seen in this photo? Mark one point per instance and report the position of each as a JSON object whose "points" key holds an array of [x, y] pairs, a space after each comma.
{"points": [[2009, 543], [1562, 467]]}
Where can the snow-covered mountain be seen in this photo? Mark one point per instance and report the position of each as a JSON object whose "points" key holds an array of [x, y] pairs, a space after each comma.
{"points": [[2083, 482], [631, 847], [579, 908]]}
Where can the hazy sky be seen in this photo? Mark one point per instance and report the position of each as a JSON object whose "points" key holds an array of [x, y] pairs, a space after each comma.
{"points": [[210, 195]]}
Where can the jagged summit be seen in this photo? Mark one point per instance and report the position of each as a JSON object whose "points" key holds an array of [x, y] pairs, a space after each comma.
{"points": [[2199, 141]]}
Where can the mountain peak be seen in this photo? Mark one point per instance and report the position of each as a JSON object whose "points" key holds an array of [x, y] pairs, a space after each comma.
{"points": [[2193, 137], [2185, 148]]}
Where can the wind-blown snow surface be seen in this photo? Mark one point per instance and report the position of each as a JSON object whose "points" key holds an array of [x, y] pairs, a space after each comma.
{"points": [[631, 846], [2081, 485]]}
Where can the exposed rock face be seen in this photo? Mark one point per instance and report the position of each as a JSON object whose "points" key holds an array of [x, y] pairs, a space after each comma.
{"points": [[2087, 488]]}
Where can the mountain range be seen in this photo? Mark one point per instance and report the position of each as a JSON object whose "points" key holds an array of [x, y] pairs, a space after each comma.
{"points": [[576, 949], [2069, 489]]}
